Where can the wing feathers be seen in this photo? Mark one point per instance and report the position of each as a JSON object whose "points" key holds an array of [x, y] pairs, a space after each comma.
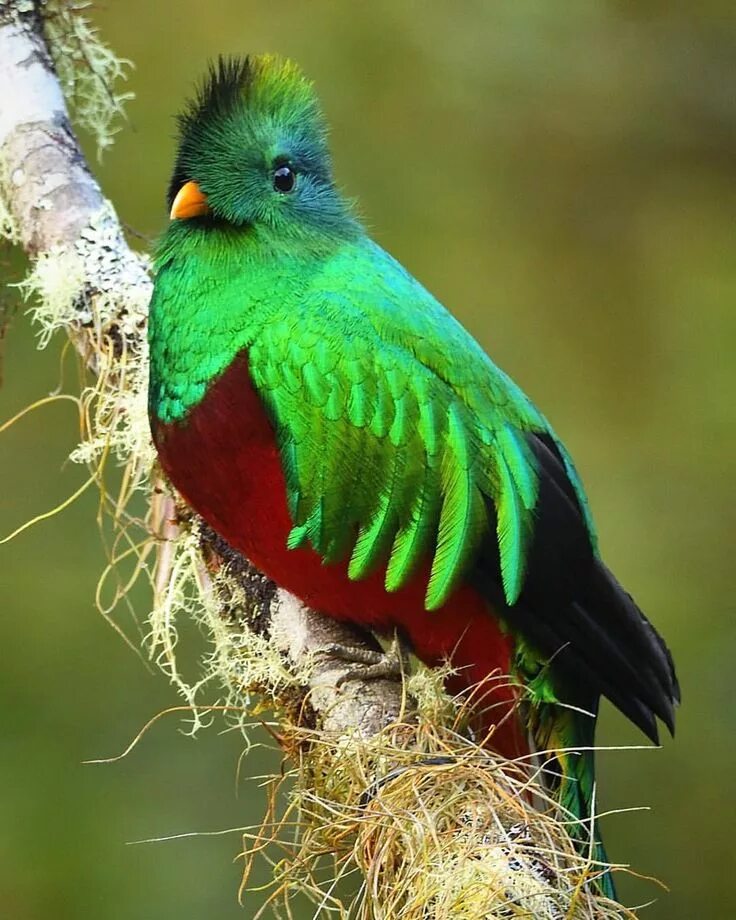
{"points": [[462, 519], [389, 460], [510, 529], [415, 537], [375, 537], [399, 437]]}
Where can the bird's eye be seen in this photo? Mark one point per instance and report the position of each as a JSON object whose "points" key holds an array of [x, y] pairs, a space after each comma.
{"points": [[284, 178]]}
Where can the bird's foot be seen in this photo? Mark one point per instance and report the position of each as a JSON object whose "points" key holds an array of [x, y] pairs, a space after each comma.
{"points": [[368, 664]]}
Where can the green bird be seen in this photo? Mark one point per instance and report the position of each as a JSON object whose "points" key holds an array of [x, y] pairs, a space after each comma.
{"points": [[329, 418]]}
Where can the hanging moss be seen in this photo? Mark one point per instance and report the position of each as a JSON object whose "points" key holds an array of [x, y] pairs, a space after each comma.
{"points": [[87, 69]]}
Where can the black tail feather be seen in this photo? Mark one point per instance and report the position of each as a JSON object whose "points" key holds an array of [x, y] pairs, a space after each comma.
{"points": [[575, 613]]}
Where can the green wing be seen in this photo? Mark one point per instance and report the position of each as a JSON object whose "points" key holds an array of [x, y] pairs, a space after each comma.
{"points": [[395, 429]]}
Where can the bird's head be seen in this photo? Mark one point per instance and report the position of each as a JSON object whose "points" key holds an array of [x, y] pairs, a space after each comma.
{"points": [[253, 152]]}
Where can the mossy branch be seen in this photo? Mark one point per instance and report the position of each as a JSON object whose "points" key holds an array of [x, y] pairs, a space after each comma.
{"points": [[384, 780]]}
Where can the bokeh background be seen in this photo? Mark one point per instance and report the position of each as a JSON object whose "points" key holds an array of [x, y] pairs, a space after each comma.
{"points": [[562, 177]]}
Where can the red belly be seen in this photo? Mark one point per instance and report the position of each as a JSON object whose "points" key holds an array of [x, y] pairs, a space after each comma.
{"points": [[225, 462]]}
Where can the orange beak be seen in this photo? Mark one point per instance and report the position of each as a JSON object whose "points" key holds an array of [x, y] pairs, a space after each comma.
{"points": [[190, 201]]}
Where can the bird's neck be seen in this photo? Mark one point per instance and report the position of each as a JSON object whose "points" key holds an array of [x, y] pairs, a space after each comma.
{"points": [[215, 288]]}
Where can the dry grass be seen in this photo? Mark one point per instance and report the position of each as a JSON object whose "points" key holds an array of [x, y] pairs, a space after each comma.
{"points": [[418, 823]]}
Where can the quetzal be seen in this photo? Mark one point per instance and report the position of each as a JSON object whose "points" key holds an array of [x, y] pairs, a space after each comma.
{"points": [[335, 424]]}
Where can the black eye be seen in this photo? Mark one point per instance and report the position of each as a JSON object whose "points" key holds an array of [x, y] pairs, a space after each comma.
{"points": [[284, 178]]}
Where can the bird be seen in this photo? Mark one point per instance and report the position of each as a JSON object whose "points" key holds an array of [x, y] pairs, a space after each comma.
{"points": [[338, 427]]}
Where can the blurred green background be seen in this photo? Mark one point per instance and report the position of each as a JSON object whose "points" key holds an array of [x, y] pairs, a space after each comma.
{"points": [[562, 177]]}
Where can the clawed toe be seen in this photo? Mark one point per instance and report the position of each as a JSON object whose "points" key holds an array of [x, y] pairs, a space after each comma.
{"points": [[367, 663]]}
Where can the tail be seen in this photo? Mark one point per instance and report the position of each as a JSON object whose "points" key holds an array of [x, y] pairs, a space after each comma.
{"points": [[569, 775]]}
